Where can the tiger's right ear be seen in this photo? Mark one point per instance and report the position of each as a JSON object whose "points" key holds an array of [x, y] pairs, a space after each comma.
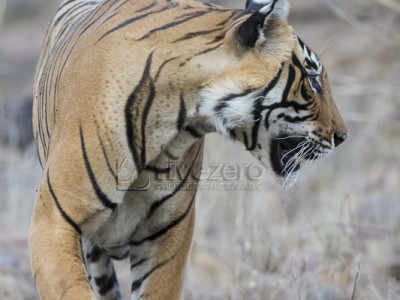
{"points": [[250, 30]]}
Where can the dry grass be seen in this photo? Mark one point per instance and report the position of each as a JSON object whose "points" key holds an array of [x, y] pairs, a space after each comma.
{"points": [[334, 236]]}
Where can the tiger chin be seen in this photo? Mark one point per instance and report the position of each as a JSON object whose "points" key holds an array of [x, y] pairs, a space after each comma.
{"points": [[125, 89]]}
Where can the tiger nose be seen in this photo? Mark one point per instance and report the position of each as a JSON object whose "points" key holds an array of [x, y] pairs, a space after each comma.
{"points": [[339, 137]]}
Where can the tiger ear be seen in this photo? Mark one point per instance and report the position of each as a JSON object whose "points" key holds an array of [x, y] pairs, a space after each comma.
{"points": [[249, 31]]}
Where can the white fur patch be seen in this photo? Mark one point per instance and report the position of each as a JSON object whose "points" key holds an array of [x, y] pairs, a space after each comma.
{"points": [[315, 69], [280, 10], [238, 111]]}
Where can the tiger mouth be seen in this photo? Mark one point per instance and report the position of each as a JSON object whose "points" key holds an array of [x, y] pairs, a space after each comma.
{"points": [[283, 152]]}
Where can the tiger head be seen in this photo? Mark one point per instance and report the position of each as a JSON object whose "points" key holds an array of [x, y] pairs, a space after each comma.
{"points": [[277, 99]]}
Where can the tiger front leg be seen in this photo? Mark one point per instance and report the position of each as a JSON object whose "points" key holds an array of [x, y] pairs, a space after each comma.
{"points": [[55, 249], [158, 259]]}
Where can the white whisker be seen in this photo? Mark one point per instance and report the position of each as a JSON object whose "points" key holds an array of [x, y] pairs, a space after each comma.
{"points": [[297, 156], [294, 162], [321, 51], [297, 159], [294, 149], [290, 136]]}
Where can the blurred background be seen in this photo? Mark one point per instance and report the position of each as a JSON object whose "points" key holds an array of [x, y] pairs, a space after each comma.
{"points": [[334, 236]]}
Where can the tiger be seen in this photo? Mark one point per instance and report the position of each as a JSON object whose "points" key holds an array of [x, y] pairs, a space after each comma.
{"points": [[124, 94]]}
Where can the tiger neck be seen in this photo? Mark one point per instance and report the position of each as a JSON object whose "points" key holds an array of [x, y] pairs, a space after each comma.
{"points": [[176, 77]]}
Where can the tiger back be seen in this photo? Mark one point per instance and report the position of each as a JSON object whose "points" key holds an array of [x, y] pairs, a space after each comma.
{"points": [[125, 92]]}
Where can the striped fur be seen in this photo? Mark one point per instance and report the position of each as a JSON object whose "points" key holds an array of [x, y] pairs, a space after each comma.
{"points": [[124, 94]]}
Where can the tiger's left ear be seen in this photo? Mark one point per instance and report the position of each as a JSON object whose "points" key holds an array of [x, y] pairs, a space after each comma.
{"points": [[249, 31]]}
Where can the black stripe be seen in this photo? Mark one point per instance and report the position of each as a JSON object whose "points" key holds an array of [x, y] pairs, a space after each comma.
{"points": [[200, 53], [304, 92], [164, 230], [269, 87], [189, 14], [257, 112], [207, 50], [129, 116], [217, 38], [289, 83], [89, 19], [60, 34], [95, 254], [296, 106], [99, 193], [297, 119], [254, 133], [72, 10], [158, 203], [65, 4], [232, 134], [182, 114], [146, 110], [60, 209], [173, 24], [41, 133], [297, 62], [222, 23], [301, 42], [138, 263], [38, 150], [103, 150], [214, 8], [98, 18], [46, 122], [217, 9], [195, 34], [43, 90], [105, 21], [267, 115], [311, 64], [163, 65], [223, 102], [299, 107], [245, 140], [193, 132], [108, 284], [157, 170], [100, 280], [137, 283], [121, 4], [44, 125], [82, 258], [146, 7], [316, 117], [187, 7], [134, 19]]}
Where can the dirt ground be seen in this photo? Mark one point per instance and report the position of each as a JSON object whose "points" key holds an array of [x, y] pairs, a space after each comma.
{"points": [[342, 219]]}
